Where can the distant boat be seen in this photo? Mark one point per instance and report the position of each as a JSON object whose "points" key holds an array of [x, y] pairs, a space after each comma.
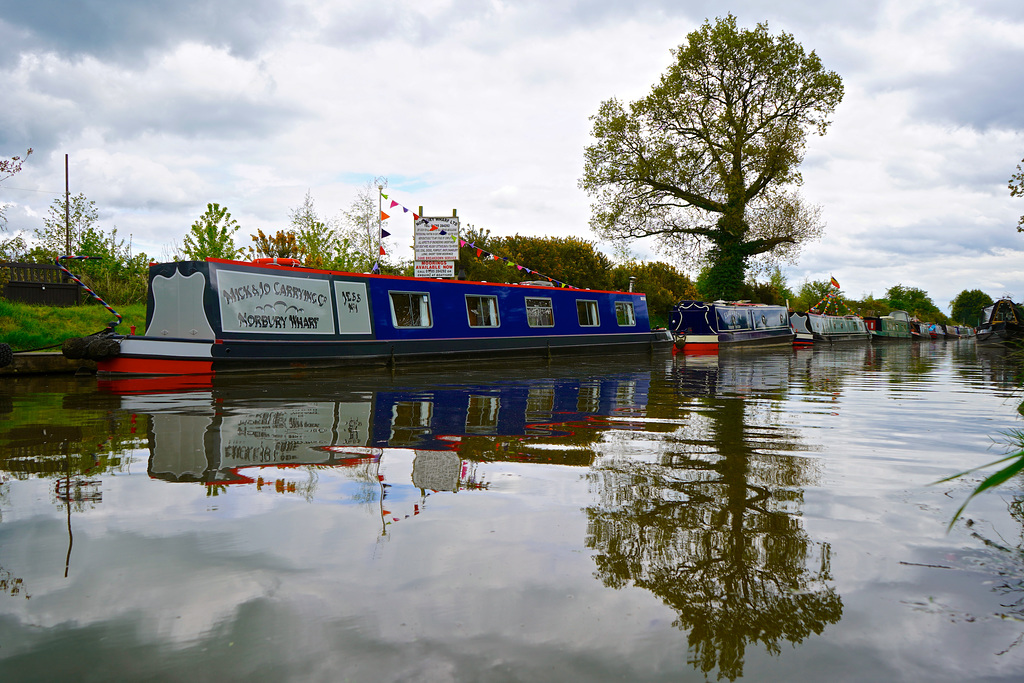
{"points": [[833, 328], [702, 327], [892, 327], [1001, 323]]}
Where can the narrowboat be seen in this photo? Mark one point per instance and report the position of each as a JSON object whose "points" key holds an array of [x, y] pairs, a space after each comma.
{"points": [[217, 315], [833, 328], [704, 327], [804, 336], [1001, 323], [894, 326]]}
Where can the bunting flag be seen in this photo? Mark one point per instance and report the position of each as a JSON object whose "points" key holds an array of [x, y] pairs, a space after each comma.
{"points": [[384, 233], [480, 253], [382, 252], [376, 267]]}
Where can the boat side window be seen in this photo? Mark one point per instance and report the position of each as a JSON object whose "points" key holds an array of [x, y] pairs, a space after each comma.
{"points": [[410, 309], [482, 310], [587, 312], [624, 314], [539, 312]]}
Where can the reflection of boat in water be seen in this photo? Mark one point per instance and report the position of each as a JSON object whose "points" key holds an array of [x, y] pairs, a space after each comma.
{"points": [[733, 375], [1001, 323], [215, 435], [702, 327]]}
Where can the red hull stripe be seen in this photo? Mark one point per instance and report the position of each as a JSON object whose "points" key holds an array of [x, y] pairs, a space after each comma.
{"points": [[156, 366]]}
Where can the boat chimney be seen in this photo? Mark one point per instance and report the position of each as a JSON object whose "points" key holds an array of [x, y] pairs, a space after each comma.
{"points": [[632, 281]]}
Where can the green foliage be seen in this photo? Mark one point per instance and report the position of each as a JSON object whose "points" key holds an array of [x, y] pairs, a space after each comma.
{"points": [[914, 301], [812, 292], [212, 236], [708, 160], [115, 273], [62, 233], [773, 291], [967, 306], [663, 285], [566, 259], [360, 229], [319, 241], [283, 244]]}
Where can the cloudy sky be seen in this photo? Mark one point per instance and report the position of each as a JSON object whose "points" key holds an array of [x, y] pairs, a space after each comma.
{"points": [[483, 106]]}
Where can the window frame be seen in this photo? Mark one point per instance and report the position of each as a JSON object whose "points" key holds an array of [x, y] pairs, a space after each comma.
{"points": [[394, 316], [497, 311], [550, 307], [626, 306], [591, 305]]}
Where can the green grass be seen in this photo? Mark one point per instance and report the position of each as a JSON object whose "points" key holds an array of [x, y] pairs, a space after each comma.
{"points": [[25, 326]]}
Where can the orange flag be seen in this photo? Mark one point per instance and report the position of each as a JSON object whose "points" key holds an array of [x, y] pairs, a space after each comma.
{"points": [[384, 216], [382, 252]]}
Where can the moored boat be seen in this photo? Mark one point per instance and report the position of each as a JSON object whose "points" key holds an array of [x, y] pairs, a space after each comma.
{"points": [[892, 327], [218, 315], [704, 327], [1002, 323], [834, 328]]}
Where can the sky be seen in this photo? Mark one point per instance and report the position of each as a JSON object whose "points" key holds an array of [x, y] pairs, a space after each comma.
{"points": [[484, 107]]}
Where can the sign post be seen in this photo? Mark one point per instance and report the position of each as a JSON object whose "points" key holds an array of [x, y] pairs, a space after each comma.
{"points": [[436, 244]]}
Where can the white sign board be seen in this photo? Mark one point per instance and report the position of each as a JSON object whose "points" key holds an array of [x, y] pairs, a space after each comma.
{"points": [[353, 308], [435, 269], [274, 303], [431, 245]]}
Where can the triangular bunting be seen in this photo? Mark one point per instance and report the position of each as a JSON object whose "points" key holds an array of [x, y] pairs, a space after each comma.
{"points": [[382, 252], [479, 252], [443, 232], [383, 195], [519, 266], [405, 210], [384, 233], [384, 216], [432, 228], [393, 204], [415, 217]]}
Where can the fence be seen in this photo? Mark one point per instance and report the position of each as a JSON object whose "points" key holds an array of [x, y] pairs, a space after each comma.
{"points": [[39, 283]]}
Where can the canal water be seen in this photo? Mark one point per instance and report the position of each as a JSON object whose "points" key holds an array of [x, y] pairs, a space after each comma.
{"points": [[767, 516]]}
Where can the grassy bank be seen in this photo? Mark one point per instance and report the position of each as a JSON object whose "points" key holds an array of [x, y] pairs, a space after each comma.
{"points": [[28, 327]]}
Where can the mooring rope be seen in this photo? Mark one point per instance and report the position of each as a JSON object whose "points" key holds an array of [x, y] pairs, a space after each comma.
{"points": [[114, 323]]}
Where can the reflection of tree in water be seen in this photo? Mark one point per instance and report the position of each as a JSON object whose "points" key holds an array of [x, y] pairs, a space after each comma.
{"points": [[713, 530]]}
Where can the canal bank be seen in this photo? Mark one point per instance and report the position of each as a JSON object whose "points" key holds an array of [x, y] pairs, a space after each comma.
{"points": [[46, 363]]}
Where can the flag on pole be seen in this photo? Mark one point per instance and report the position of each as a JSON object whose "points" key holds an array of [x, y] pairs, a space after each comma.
{"points": [[384, 233], [382, 252], [384, 216], [835, 283]]}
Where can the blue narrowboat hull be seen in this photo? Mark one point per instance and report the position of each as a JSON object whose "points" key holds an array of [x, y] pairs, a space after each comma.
{"points": [[702, 327], [217, 315]]}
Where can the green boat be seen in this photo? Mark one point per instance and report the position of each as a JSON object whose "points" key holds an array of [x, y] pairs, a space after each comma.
{"points": [[894, 326]]}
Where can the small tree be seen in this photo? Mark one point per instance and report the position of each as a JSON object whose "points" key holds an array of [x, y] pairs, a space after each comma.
{"points": [[212, 236], [12, 247], [283, 244], [967, 306], [1016, 190], [361, 225], [57, 236]]}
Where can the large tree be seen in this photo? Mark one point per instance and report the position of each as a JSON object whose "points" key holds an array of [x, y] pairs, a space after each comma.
{"points": [[967, 306], [708, 161]]}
